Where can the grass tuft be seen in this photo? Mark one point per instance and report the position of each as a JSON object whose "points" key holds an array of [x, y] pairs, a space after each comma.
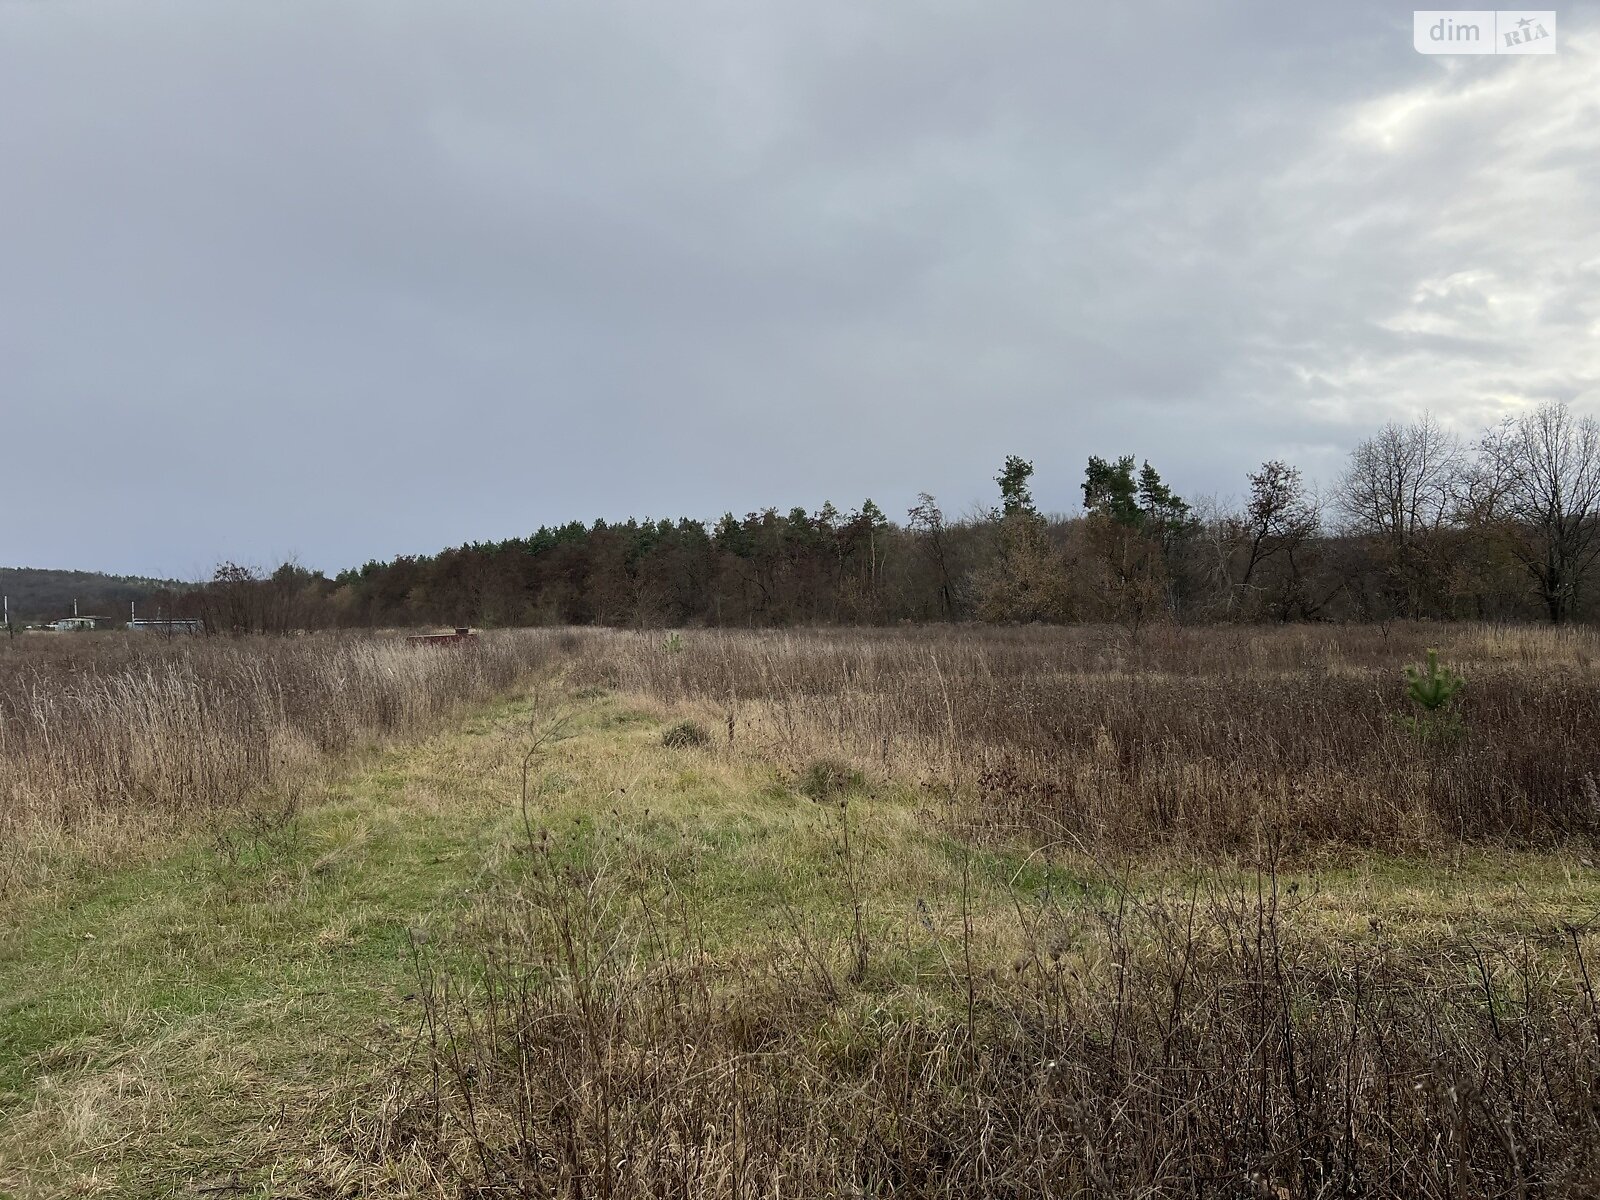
{"points": [[685, 734], [828, 779]]}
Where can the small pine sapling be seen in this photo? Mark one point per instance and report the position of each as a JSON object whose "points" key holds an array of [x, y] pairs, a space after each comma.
{"points": [[1434, 690]]}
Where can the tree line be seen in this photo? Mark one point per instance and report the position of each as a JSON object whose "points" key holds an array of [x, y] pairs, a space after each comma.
{"points": [[37, 594], [1419, 525]]}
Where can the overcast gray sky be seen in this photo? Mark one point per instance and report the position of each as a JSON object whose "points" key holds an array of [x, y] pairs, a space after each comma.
{"points": [[342, 280]]}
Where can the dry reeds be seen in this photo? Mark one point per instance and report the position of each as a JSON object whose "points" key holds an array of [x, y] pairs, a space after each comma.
{"points": [[116, 733], [1215, 738]]}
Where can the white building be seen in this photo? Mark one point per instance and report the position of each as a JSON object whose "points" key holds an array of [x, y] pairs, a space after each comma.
{"points": [[74, 624]]}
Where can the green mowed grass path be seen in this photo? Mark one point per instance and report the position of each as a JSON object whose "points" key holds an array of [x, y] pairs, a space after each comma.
{"points": [[202, 1023], [211, 1020], [162, 1029]]}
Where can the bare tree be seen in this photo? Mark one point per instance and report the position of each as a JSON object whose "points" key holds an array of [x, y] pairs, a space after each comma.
{"points": [[1212, 554], [231, 601], [1400, 489], [1403, 482], [926, 521], [1537, 484], [1280, 518]]}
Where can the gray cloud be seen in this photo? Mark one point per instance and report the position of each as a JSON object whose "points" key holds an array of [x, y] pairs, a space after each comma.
{"points": [[346, 281]]}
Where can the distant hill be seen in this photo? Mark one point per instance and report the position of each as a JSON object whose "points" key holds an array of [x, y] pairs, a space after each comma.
{"points": [[38, 594]]}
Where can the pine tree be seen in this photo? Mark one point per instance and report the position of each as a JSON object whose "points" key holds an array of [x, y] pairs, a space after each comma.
{"points": [[1015, 497], [1434, 687], [1109, 491]]}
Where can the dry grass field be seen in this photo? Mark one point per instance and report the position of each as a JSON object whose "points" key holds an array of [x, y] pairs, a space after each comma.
{"points": [[1207, 739], [920, 912], [107, 743]]}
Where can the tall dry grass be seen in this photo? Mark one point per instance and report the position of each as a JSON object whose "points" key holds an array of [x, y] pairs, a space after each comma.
{"points": [[1216, 738], [107, 738]]}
